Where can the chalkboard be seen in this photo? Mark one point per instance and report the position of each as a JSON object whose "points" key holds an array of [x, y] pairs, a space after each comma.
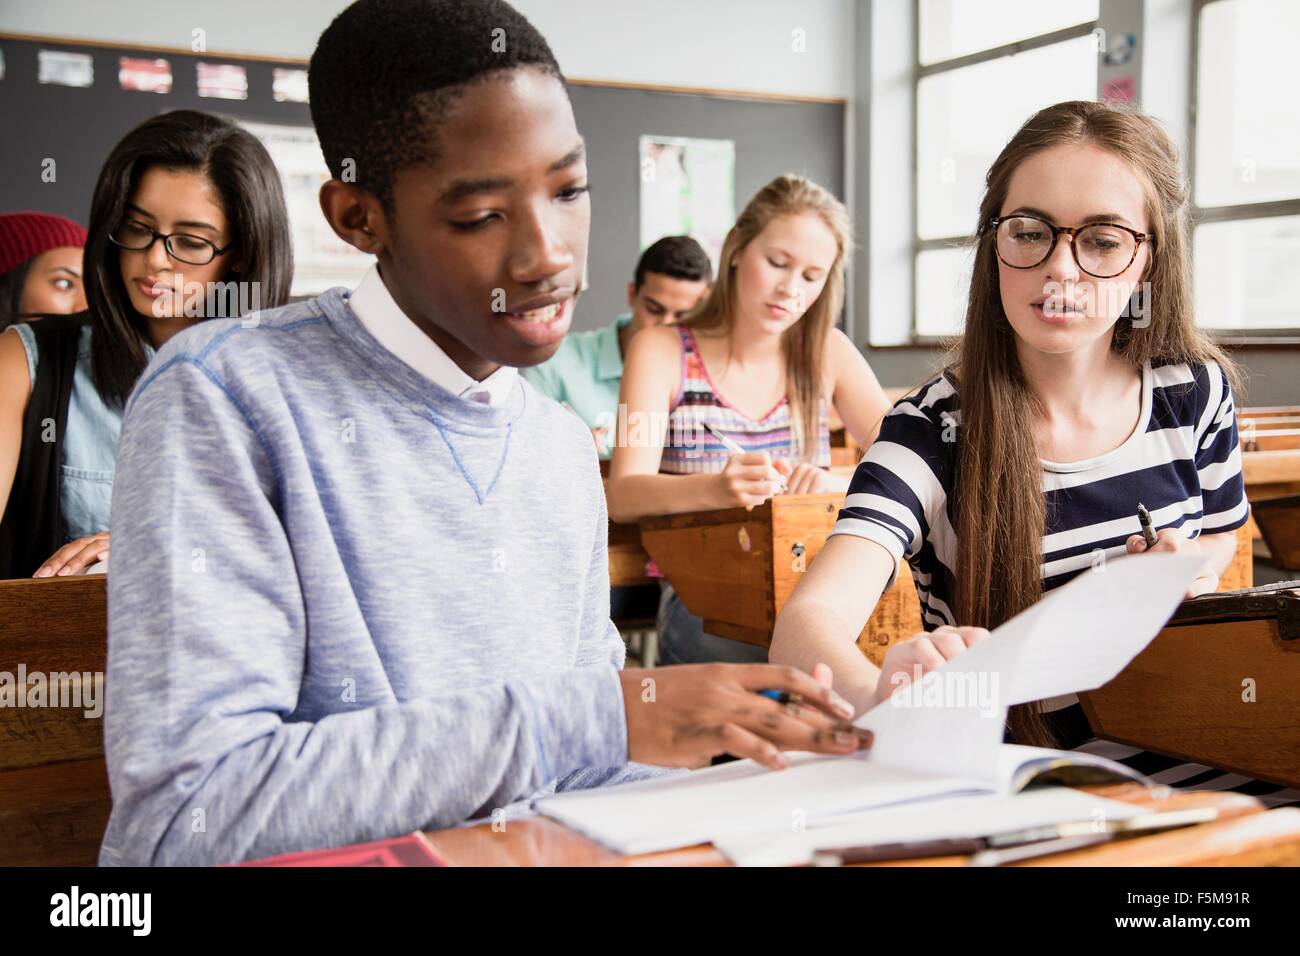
{"points": [[76, 127]]}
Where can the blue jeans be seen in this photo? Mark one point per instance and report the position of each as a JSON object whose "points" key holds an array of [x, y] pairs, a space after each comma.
{"points": [[682, 639]]}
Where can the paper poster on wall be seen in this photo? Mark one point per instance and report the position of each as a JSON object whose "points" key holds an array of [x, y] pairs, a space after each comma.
{"points": [[143, 75], [65, 69], [289, 86], [688, 188], [321, 259], [1121, 89], [223, 81]]}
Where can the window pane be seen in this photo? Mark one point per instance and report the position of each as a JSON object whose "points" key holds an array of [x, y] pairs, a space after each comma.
{"points": [[1248, 273], [1247, 133], [942, 285], [966, 116], [952, 28]]}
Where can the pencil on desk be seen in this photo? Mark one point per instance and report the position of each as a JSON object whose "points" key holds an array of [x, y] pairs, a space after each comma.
{"points": [[1077, 836], [997, 849]]}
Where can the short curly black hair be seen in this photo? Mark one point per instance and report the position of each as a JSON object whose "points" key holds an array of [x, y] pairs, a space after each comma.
{"points": [[384, 73], [678, 257]]}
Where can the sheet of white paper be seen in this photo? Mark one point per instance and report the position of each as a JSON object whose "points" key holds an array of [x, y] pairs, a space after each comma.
{"points": [[656, 815], [1076, 638], [962, 740], [1097, 623], [951, 818]]}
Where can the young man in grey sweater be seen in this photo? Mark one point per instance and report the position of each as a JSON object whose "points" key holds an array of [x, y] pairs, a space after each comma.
{"points": [[358, 583]]}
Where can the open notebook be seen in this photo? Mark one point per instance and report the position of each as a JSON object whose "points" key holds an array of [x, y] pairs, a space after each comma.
{"points": [[956, 817], [940, 737]]}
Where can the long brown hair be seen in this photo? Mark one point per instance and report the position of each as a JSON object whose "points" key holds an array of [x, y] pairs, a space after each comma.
{"points": [[1001, 515], [803, 345]]}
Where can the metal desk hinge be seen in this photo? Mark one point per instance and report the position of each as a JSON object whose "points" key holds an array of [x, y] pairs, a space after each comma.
{"points": [[1288, 616]]}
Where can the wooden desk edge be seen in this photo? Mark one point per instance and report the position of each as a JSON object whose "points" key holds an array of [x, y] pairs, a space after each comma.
{"points": [[1233, 839]]}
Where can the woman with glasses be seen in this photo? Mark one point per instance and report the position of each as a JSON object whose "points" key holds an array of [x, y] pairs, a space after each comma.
{"points": [[187, 222], [1081, 387]]}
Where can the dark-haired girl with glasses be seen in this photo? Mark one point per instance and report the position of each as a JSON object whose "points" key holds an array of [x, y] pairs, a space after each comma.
{"points": [[188, 213], [1080, 387]]}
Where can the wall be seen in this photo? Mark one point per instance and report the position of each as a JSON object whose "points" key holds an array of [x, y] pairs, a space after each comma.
{"points": [[723, 44]]}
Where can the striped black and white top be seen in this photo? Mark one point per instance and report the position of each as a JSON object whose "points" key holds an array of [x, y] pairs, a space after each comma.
{"points": [[1182, 461]]}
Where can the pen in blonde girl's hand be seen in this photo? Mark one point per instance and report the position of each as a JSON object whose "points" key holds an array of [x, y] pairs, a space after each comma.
{"points": [[735, 449]]}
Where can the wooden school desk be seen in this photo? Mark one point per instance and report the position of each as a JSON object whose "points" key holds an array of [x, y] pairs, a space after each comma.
{"points": [[1270, 446], [1270, 459], [54, 798], [736, 568], [1269, 475], [1272, 428], [1219, 685], [1244, 835], [1278, 520], [1268, 414], [1272, 473], [627, 558], [1271, 437]]}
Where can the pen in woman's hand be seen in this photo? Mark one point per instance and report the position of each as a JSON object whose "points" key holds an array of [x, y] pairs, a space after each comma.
{"points": [[1144, 519], [735, 449]]}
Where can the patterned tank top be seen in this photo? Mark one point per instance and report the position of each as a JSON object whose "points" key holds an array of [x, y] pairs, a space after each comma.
{"points": [[690, 449]]}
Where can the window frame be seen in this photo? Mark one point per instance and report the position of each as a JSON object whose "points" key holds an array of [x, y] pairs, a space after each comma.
{"points": [[919, 72], [1239, 212]]}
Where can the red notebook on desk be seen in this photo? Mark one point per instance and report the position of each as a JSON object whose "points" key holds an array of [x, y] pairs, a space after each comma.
{"points": [[410, 850]]}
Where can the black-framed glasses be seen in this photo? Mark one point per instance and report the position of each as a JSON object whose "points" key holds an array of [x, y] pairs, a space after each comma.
{"points": [[1101, 249], [182, 246]]}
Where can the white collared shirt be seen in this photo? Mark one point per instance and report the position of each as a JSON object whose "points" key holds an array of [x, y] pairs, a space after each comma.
{"points": [[373, 304]]}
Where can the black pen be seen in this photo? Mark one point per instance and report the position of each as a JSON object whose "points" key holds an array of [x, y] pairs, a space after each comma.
{"points": [[1144, 519]]}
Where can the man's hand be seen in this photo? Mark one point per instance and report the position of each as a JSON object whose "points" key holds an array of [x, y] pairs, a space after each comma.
{"points": [[685, 715]]}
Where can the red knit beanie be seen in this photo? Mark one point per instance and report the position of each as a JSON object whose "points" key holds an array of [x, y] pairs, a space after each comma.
{"points": [[25, 235]]}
